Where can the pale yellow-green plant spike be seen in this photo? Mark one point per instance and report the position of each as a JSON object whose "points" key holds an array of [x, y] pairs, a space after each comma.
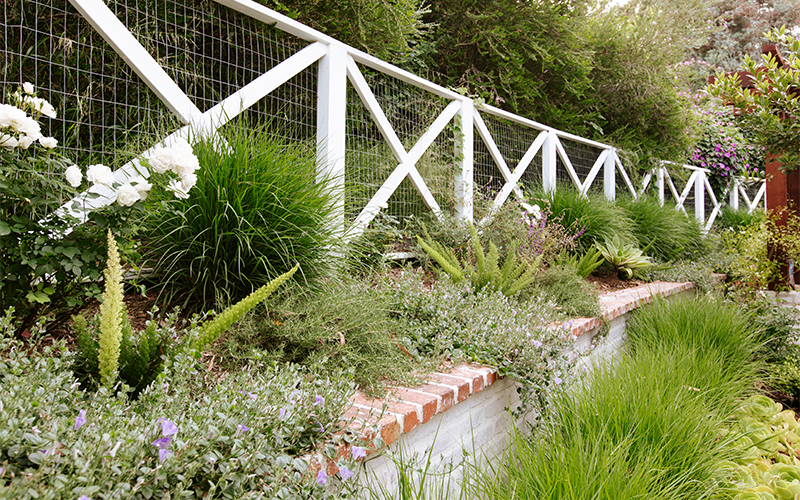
{"points": [[212, 330], [111, 311]]}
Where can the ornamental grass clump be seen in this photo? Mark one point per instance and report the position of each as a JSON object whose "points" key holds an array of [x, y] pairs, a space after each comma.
{"points": [[652, 423], [259, 206]]}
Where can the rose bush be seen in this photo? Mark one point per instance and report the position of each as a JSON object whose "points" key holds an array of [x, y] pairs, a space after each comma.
{"points": [[49, 263]]}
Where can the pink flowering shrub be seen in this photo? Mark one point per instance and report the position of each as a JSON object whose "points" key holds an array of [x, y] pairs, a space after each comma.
{"points": [[723, 148]]}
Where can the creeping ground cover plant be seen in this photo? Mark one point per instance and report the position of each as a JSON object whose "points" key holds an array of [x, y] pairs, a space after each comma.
{"points": [[191, 434]]}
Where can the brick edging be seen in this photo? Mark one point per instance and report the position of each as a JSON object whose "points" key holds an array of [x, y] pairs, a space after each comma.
{"points": [[405, 409]]}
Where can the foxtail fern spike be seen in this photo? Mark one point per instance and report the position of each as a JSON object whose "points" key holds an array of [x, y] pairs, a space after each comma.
{"points": [[212, 330], [111, 316], [443, 257]]}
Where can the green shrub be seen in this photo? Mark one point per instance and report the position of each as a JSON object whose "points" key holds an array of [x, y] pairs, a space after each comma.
{"points": [[518, 337], [572, 295], [256, 210], [598, 218], [342, 325], [668, 234], [707, 323], [650, 424], [193, 435]]}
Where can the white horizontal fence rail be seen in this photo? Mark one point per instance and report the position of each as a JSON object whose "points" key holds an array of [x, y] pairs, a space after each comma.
{"points": [[339, 66]]}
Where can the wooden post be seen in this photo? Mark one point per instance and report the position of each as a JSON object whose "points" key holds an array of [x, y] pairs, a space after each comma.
{"points": [[783, 191]]}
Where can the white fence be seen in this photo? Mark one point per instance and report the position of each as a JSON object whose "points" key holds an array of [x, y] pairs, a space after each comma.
{"points": [[544, 153]]}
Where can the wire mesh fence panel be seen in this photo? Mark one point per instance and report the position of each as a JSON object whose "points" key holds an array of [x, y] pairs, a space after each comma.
{"points": [[102, 106], [369, 160], [582, 157], [211, 51], [513, 141]]}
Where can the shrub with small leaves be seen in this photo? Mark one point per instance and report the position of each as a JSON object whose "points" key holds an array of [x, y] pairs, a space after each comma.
{"points": [[517, 337]]}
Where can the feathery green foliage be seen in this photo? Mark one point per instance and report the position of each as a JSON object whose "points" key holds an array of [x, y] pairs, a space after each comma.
{"points": [[141, 355], [211, 330], [111, 314], [510, 279]]}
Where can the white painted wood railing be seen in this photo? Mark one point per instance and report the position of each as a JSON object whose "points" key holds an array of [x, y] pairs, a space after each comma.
{"points": [[338, 64]]}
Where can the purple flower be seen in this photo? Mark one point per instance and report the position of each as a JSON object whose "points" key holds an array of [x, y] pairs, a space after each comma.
{"points": [[537, 344], [322, 478], [84, 497], [282, 414], [164, 454], [319, 400], [168, 428], [248, 394], [80, 420], [162, 443], [321, 427], [241, 429], [358, 452], [557, 381], [345, 473]]}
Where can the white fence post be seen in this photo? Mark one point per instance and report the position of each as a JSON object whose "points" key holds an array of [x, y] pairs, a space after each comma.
{"points": [[331, 117], [464, 168], [699, 198], [610, 176], [549, 159], [660, 184], [733, 199]]}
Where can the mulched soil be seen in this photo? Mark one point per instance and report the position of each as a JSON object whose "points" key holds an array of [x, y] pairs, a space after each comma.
{"points": [[611, 283]]}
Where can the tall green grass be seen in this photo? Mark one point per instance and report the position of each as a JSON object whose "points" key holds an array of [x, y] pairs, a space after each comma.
{"points": [[598, 218], [730, 218], [648, 425], [257, 209], [668, 234]]}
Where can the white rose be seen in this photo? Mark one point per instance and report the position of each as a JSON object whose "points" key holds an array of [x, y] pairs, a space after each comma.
{"points": [[27, 87], [74, 175], [188, 181], [47, 109], [10, 114], [176, 187], [161, 160], [127, 195], [48, 142], [27, 126], [100, 174], [182, 146], [25, 142], [143, 187], [184, 164], [8, 141]]}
